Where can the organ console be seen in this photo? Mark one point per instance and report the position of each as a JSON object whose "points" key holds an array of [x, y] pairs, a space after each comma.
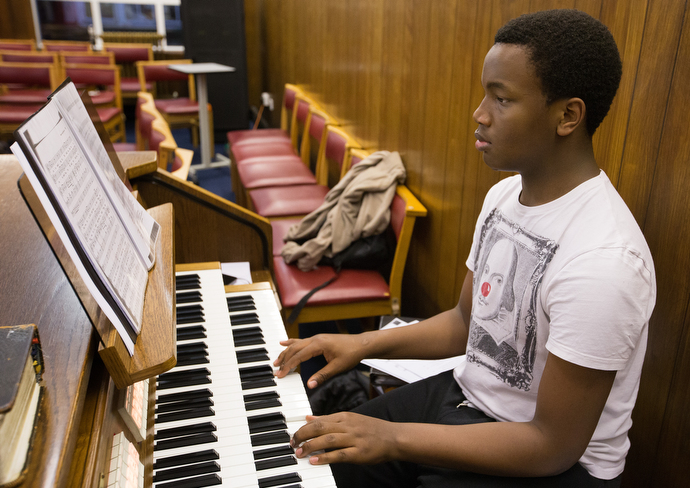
{"points": [[244, 417]]}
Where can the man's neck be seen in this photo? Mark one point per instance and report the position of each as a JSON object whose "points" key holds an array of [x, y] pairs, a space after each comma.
{"points": [[564, 172]]}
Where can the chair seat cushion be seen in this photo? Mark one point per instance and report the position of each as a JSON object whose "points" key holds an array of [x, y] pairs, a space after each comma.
{"points": [[286, 201], [269, 148], [133, 85], [253, 136], [16, 114], [101, 97], [28, 95], [270, 160], [108, 113], [352, 285], [177, 106], [280, 229], [264, 175]]}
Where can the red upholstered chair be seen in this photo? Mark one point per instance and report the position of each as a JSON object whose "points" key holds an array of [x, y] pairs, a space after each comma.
{"points": [[107, 79], [73, 57], [356, 293], [17, 45], [126, 55], [61, 46], [288, 170], [29, 57], [178, 112], [255, 135], [38, 80], [145, 113], [284, 202]]}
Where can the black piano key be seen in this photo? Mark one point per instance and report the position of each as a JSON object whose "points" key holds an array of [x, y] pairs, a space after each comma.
{"points": [[244, 319], [185, 395], [252, 355], [192, 347], [279, 480], [185, 430], [255, 397], [195, 307], [280, 437], [191, 413], [261, 371], [188, 440], [183, 374], [273, 452], [250, 385], [181, 459], [239, 298], [196, 482], [192, 319], [184, 405], [267, 426], [192, 360], [189, 333], [249, 341], [247, 331], [241, 307], [189, 285], [263, 404], [198, 380], [188, 297], [186, 471], [278, 462]]}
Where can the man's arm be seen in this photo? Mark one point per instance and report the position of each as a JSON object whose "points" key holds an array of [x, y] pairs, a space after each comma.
{"points": [[441, 336], [569, 404]]}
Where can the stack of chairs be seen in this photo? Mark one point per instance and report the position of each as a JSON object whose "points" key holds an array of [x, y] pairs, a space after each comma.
{"points": [[284, 174], [153, 133]]}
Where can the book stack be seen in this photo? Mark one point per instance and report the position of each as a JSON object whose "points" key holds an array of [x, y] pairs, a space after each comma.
{"points": [[21, 370]]}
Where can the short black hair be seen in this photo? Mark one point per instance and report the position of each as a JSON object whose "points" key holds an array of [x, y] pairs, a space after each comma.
{"points": [[574, 55]]}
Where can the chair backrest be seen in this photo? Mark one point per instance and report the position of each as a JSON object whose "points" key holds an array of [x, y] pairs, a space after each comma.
{"points": [[81, 46], [405, 208], [315, 130], [289, 97], [129, 53], [334, 154], [31, 74], [300, 114], [146, 113], [28, 57], [163, 142], [17, 44], [96, 75], [86, 58], [154, 71]]}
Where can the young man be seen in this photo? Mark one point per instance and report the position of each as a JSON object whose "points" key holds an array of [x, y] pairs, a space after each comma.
{"points": [[546, 393]]}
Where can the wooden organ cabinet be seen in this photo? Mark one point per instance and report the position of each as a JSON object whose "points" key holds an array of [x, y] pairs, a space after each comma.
{"points": [[85, 361]]}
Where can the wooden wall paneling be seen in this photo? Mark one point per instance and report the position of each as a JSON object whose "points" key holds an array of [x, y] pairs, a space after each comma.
{"points": [[592, 7], [625, 20], [254, 42], [371, 48], [661, 426], [16, 21], [460, 135], [662, 30], [273, 42], [443, 23]]}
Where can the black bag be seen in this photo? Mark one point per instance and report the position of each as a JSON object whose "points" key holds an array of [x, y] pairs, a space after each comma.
{"points": [[373, 252]]}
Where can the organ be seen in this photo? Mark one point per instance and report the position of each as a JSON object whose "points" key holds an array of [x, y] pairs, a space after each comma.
{"points": [[79, 418]]}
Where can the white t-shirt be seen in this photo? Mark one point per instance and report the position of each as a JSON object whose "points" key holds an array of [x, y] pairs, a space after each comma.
{"points": [[573, 277]]}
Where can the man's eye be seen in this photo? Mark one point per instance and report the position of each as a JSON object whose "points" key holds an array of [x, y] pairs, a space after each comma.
{"points": [[501, 100]]}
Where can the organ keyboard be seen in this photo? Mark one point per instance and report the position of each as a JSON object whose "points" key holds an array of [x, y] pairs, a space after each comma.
{"points": [[222, 418]]}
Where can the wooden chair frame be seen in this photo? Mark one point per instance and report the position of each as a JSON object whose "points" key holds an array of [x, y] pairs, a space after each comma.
{"points": [[66, 58], [71, 46], [53, 73], [21, 44], [388, 306]]}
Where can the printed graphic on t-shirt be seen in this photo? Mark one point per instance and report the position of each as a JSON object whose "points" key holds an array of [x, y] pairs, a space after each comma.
{"points": [[509, 266]]}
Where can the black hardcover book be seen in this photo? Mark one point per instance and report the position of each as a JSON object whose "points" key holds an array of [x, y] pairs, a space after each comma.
{"points": [[21, 371]]}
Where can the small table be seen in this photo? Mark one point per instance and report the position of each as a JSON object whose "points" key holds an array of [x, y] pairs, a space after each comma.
{"points": [[200, 70]]}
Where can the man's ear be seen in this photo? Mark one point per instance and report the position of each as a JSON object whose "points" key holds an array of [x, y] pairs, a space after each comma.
{"points": [[572, 117]]}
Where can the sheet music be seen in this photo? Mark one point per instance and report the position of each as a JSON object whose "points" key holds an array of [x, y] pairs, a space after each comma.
{"points": [[411, 370], [85, 191], [142, 227]]}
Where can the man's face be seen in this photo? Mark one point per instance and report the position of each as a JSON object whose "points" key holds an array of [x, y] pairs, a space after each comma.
{"points": [[492, 280], [517, 128]]}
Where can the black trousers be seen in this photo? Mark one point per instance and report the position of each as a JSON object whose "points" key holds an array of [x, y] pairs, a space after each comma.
{"points": [[436, 400]]}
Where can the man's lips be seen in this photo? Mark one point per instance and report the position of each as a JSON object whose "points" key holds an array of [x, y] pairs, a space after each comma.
{"points": [[480, 144]]}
